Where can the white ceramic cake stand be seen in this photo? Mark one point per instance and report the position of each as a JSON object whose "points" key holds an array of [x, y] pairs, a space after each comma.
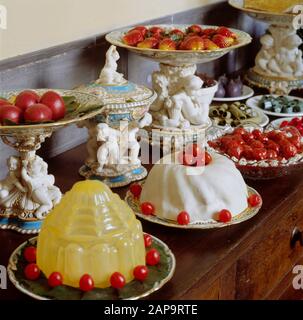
{"points": [[176, 77], [279, 64], [249, 213], [28, 193]]}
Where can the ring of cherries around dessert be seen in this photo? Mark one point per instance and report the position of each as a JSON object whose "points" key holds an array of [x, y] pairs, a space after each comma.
{"points": [[193, 156], [86, 282], [193, 38], [256, 145], [30, 108]]}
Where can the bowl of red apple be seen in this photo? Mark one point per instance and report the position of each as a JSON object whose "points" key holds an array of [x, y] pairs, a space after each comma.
{"points": [[259, 153], [43, 107]]}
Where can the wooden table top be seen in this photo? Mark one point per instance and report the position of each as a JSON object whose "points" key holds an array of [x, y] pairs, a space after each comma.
{"points": [[202, 255]]}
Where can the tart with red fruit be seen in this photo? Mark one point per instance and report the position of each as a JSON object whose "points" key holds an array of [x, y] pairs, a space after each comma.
{"points": [[260, 154]]}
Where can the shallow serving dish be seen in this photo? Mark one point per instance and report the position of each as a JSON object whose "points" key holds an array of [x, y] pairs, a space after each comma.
{"points": [[178, 57], [258, 170], [247, 92]]}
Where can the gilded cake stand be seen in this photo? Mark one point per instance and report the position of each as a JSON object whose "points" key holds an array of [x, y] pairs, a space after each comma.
{"points": [[177, 76], [28, 192], [279, 64]]}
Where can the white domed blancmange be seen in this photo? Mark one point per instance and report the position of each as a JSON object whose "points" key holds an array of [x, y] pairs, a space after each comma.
{"points": [[173, 188]]}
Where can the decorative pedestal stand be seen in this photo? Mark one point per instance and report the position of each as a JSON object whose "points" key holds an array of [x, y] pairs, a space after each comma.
{"points": [[28, 193], [278, 65], [113, 149], [180, 112]]}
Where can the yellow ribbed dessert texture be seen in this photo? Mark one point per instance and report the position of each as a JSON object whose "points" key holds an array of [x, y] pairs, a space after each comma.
{"points": [[91, 231], [276, 6]]}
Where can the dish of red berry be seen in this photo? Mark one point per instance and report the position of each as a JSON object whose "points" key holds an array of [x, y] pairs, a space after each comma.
{"points": [[258, 153]]}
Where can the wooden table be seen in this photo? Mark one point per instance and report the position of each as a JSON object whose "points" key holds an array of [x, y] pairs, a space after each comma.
{"points": [[253, 260]]}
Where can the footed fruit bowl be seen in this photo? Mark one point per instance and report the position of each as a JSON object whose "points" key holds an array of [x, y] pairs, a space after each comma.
{"points": [[276, 158], [178, 57]]}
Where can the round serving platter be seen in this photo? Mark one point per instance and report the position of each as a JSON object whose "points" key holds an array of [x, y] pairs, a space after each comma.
{"points": [[254, 103], [158, 276], [247, 92], [250, 212]]}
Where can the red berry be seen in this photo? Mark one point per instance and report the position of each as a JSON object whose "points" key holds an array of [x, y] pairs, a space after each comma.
{"points": [[254, 200], [30, 254], [55, 279], [147, 208], [241, 131], [208, 158], [148, 240], [257, 134], [183, 218], [117, 280], [284, 123], [32, 271], [141, 273], [189, 159], [136, 190], [152, 257], [225, 216], [193, 149], [86, 283]]}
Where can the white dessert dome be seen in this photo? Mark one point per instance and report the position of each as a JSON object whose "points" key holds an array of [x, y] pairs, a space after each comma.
{"points": [[200, 191]]}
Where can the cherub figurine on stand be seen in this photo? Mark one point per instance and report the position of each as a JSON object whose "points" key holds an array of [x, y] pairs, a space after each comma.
{"points": [[112, 145], [28, 191], [180, 113]]}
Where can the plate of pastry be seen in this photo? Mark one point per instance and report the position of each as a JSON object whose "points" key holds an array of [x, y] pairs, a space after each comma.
{"points": [[91, 247], [235, 114], [278, 106], [209, 192]]}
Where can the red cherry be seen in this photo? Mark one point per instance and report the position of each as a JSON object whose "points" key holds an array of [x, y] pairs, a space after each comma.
{"points": [[152, 257], [32, 271], [254, 200], [55, 279], [30, 254], [86, 283], [148, 240], [136, 190], [183, 218], [147, 208], [189, 159], [208, 158], [284, 123], [141, 273], [225, 216], [193, 149], [117, 280], [257, 134]]}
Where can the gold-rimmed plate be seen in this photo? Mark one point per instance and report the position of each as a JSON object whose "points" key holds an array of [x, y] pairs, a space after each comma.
{"points": [[249, 213], [134, 290], [90, 104]]}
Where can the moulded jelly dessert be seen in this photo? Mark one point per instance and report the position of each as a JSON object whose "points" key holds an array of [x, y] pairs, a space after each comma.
{"points": [[91, 231]]}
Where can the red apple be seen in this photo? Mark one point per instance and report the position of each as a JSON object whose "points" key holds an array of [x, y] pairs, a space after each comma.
{"points": [[38, 113], [55, 102], [26, 99], [10, 113]]}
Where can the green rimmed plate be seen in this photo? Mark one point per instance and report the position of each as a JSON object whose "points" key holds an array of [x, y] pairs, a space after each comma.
{"points": [[134, 290]]}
